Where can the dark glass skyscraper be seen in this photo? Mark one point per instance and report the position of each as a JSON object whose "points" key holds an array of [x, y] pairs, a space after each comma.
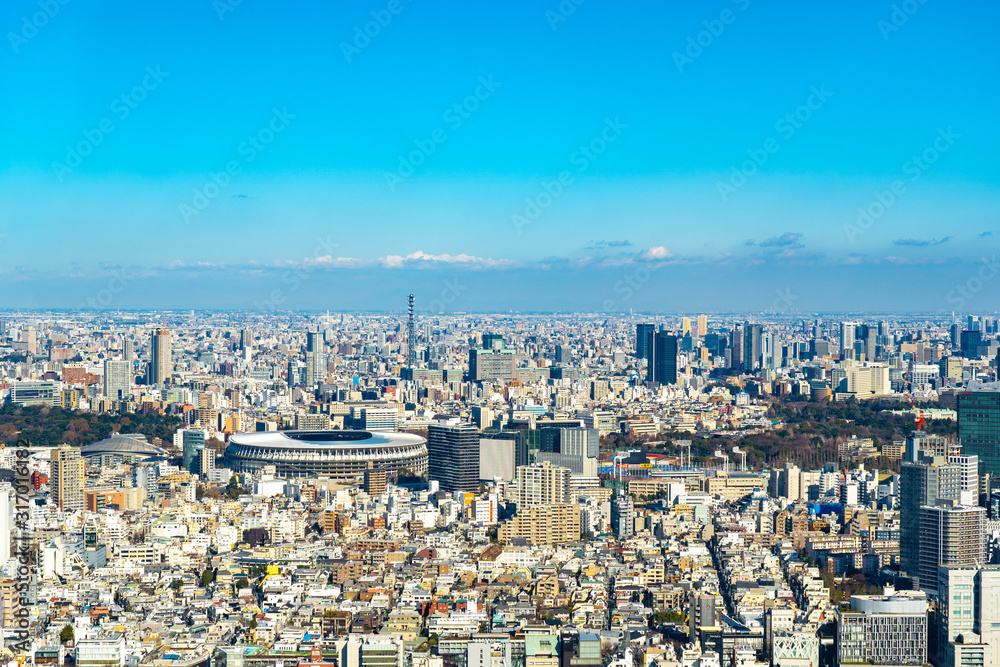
{"points": [[979, 428], [661, 355], [642, 333], [970, 343], [192, 445], [453, 456], [753, 335]]}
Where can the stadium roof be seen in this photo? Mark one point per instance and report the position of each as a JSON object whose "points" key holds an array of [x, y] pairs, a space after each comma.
{"points": [[135, 445], [302, 440]]}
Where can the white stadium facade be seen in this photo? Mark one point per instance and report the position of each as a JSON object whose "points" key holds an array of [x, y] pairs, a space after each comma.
{"points": [[335, 454]]}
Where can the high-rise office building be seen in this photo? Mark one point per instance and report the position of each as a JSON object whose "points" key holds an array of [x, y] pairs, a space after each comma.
{"points": [[493, 341], [315, 358], [66, 479], [492, 364], [192, 444], [661, 357], [865, 341], [922, 484], [116, 378], [847, 330], [883, 630], [542, 484], [498, 458], [685, 326], [753, 352], [453, 456], [31, 338], [161, 365], [128, 350], [622, 515], [736, 346], [969, 466], [970, 341], [956, 335], [573, 448], [564, 354], [642, 334], [968, 617], [702, 326], [949, 535], [979, 428], [519, 451]]}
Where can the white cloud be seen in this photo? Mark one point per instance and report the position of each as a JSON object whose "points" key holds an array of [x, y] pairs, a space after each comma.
{"points": [[421, 258], [658, 252]]}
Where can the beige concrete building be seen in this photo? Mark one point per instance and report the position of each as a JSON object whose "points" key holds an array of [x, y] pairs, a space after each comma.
{"points": [[66, 479], [544, 524]]}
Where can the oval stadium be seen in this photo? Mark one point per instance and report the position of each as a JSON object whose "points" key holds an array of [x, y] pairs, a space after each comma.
{"points": [[334, 454]]}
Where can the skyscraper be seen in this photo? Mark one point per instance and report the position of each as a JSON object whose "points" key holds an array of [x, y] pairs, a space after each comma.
{"points": [[979, 428], [453, 456], [847, 330], [67, 478], [315, 358], [411, 338], [736, 359], [642, 333], [922, 484], [31, 339], [116, 378], [949, 535], [702, 326], [192, 444], [970, 341], [685, 326], [662, 356], [753, 335], [161, 365]]}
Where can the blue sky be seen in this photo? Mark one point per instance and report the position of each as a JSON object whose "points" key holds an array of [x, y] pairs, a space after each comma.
{"points": [[731, 146]]}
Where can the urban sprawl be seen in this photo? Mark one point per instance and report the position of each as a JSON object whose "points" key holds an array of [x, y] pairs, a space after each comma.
{"points": [[247, 489]]}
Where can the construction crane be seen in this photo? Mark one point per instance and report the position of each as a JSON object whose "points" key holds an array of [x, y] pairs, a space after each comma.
{"points": [[918, 413]]}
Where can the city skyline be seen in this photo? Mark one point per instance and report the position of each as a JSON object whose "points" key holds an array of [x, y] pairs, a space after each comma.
{"points": [[233, 150]]}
